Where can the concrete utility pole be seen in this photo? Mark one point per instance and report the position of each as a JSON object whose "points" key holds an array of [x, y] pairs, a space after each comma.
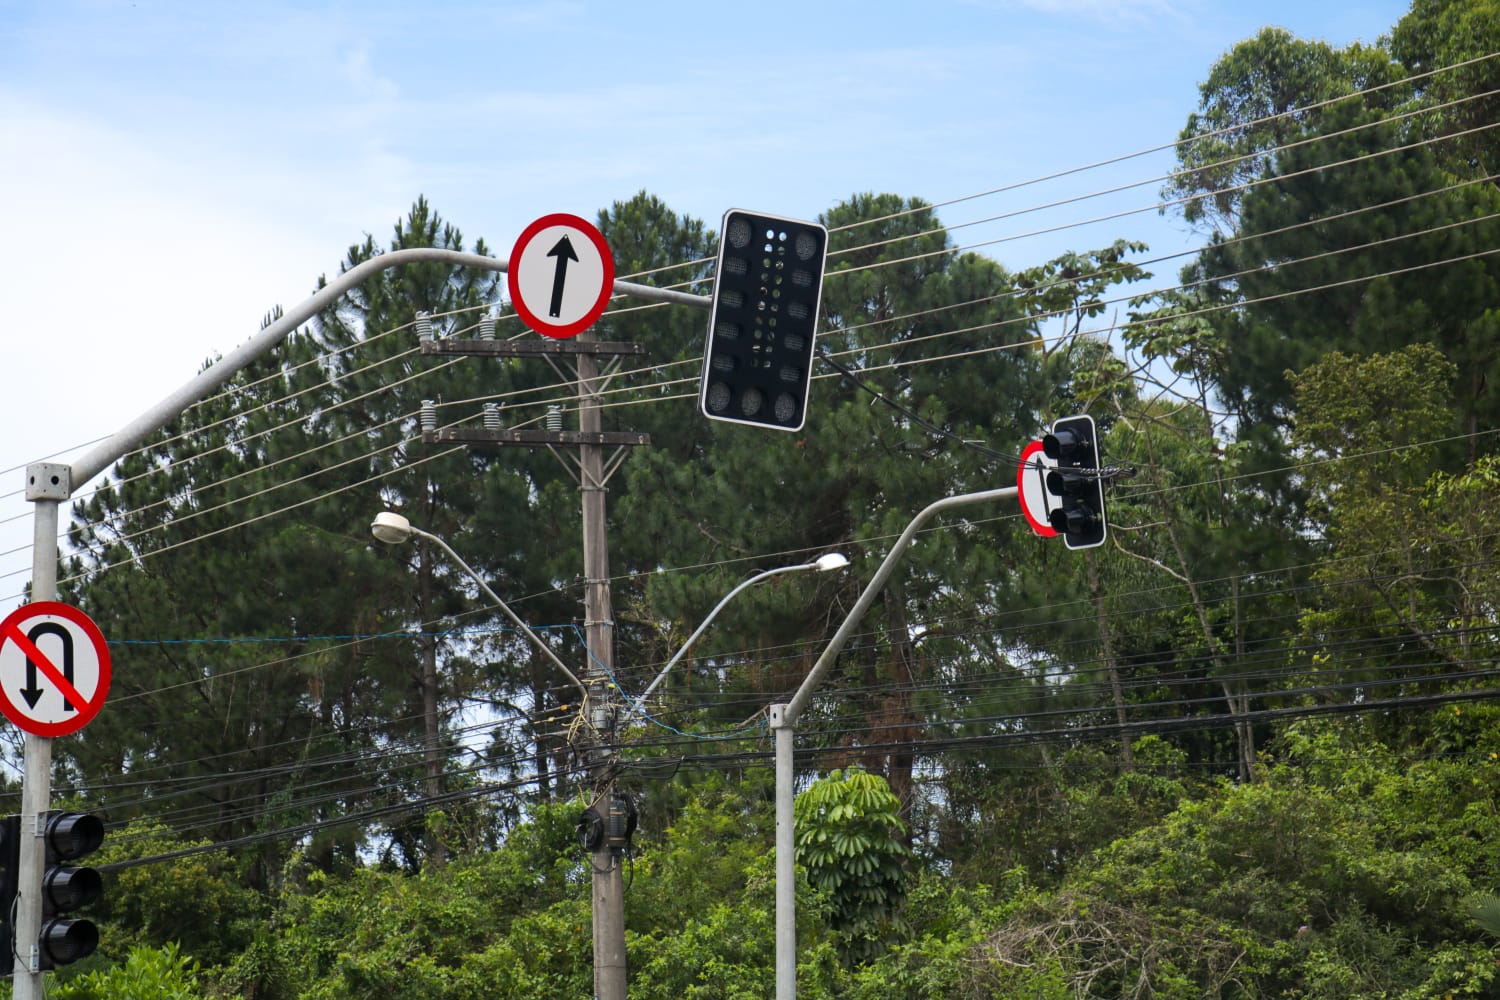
{"points": [[48, 485], [593, 473], [598, 628]]}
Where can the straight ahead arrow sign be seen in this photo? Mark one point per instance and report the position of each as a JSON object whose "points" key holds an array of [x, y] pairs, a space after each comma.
{"points": [[564, 253], [560, 275]]}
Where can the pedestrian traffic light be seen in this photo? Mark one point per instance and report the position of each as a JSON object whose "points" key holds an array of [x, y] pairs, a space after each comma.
{"points": [[65, 939], [757, 364], [1074, 445]]}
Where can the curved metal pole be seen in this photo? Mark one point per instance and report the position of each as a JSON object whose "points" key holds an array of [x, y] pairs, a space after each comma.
{"points": [[97, 459], [535, 639], [641, 700], [783, 720]]}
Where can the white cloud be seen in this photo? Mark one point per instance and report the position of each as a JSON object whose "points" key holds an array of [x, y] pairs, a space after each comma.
{"points": [[126, 267]]}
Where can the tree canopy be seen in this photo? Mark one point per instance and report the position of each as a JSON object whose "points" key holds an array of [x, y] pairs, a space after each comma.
{"points": [[1246, 748]]}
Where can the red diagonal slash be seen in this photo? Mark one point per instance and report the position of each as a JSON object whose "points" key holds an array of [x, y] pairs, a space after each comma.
{"points": [[36, 656]]}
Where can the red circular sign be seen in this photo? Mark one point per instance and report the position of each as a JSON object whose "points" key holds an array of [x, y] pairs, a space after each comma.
{"points": [[54, 668], [1031, 487], [560, 275]]}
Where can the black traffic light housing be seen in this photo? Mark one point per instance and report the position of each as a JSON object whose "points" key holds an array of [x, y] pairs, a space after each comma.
{"points": [[621, 825], [65, 939], [768, 283], [1074, 446], [10, 872], [596, 830]]}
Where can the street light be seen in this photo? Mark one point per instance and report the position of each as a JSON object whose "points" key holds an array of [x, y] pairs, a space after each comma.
{"points": [[393, 529], [783, 720], [825, 563]]}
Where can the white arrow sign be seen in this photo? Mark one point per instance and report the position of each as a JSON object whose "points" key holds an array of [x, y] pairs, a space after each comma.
{"points": [[54, 668], [560, 275]]}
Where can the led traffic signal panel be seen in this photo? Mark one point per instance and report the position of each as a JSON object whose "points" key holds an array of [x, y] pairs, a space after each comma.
{"points": [[65, 939], [757, 365], [1074, 445]]}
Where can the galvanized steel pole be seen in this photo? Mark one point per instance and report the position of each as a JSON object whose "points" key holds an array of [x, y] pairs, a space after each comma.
{"points": [[49, 485], [783, 720]]}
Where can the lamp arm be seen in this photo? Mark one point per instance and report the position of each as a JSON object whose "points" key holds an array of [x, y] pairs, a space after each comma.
{"points": [[535, 639], [793, 709], [641, 700]]}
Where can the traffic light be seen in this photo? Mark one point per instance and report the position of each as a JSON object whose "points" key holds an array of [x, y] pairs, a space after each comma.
{"points": [[10, 871], [65, 939], [621, 824], [1074, 445], [757, 365]]}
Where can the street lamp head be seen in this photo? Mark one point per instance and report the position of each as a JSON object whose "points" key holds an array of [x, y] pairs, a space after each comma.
{"points": [[390, 528], [831, 561]]}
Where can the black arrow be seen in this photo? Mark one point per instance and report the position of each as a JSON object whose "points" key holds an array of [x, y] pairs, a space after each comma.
{"points": [[31, 692], [564, 253]]}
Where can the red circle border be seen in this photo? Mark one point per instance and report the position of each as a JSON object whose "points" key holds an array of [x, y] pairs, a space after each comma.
{"points": [[86, 712], [554, 330], [1040, 527]]}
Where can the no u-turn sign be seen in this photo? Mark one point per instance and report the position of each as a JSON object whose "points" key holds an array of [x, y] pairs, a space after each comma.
{"points": [[54, 668]]}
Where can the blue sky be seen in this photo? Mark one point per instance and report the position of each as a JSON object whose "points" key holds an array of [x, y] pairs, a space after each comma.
{"points": [[174, 170]]}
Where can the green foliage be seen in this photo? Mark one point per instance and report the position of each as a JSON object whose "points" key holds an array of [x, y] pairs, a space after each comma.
{"points": [[197, 901], [1264, 93], [1451, 40], [1299, 538], [147, 974], [1345, 879], [513, 921], [847, 838]]}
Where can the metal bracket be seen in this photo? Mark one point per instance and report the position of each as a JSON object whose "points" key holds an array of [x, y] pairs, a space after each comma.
{"points": [[49, 481], [776, 716]]}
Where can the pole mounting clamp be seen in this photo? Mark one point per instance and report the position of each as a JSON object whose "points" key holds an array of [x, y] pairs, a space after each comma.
{"points": [[49, 481]]}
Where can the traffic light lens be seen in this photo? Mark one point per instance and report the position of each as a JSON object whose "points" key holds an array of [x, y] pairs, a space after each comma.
{"points": [[71, 888], [72, 835], [66, 941], [718, 397], [1062, 444], [786, 408], [738, 232], [751, 401]]}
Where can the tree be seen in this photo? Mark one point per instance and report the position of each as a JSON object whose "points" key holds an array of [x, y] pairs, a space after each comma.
{"points": [[1265, 94], [848, 839], [1405, 591], [1452, 42], [243, 525]]}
